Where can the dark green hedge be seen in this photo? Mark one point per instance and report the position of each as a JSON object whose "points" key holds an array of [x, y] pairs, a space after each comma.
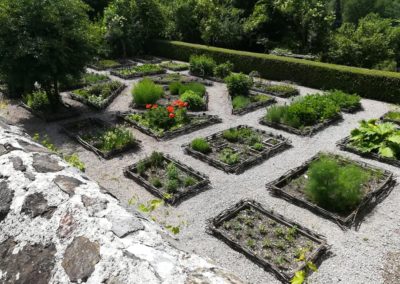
{"points": [[373, 84]]}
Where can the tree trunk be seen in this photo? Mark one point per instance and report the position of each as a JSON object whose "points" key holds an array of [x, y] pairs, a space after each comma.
{"points": [[338, 14]]}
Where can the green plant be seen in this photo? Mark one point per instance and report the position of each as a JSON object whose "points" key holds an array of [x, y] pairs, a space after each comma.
{"points": [[223, 70], [172, 186], [238, 84], [251, 243], [393, 115], [175, 66], [115, 139], [38, 100], [141, 167], [147, 92], [189, 181], [75, 161], [375, 137], [258, 146], [201, 145], [240, 102], [156, 181], [344, 100], [195, 102], [232, 135], [175, 87], [202, 65], [228, 156], [96, 94], [156, 159], [335, 186], [145, 69], [172, 172], [195, 87]]}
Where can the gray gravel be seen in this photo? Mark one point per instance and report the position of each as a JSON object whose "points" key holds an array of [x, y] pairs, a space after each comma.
{"points": [[358, 257]]}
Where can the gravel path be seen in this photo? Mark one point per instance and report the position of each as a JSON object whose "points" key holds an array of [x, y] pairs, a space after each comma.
{"points": [[357, 257]]}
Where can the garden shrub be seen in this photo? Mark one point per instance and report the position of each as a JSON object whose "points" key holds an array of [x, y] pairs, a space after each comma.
{"points": [[202, 65], [223, 70], [344, 100], [335, 186], [194, 100], [38, 100], [198, 88], [238, 84], [393, 115], [201, 145], [115, 139], [228, 156], [240, 102], [372, 84], [147, 92], [174, 88]]}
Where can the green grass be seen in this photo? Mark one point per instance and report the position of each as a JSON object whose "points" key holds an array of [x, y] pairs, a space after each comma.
{"points": [[147, 92], [393, 115]]}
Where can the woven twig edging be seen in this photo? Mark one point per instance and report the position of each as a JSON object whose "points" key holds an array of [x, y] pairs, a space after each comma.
{"points": [[354, 218], [178, 197], [96, 121], [122, 62], [50, 117], [104, 104], [241, 167], [312, 130], [189, 128], [344, 145], [135, 75], [252, 107], [315, 256]]}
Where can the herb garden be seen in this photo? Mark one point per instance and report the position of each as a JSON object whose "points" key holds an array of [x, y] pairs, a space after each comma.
{"points": [[138, 71]]}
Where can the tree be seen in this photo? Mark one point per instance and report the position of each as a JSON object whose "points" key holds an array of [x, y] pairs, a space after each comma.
{"points": [[97, 7], [43, 41]]}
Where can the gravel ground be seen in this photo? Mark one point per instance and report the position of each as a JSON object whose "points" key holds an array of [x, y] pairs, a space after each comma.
{"points": [[357, 257]]}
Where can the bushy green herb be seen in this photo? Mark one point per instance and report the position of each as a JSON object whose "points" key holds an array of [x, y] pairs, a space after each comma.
{"points": [[75, 161], [240, 102], [141, 167], [172, 186], [393, 115], [155, 181], [156, 159], [238, 84], [195, 87], [115, 139], [175, 66], [172, 171], [96, 94], [189, 181], [175, 87], [38, 100], [344, 100], [201, 145], [228, 156], [283, 90], [335, 186], [146, 69], [107, 63], [202, 65], [147, 92], [223, 70], [195, 102]]}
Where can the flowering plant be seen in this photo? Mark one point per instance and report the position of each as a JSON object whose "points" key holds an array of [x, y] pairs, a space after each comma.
{"points": [[167, 117]]}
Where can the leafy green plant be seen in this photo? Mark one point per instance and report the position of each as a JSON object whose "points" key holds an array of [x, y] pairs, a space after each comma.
{"points": [[172, 186], [175, 66], [175, 87], [172, 172], [223, 70], [96, 94], [393, 115], [375, 137], [115, 139], [107, 63], [285, 89], [238, 84], [145, 69], [75, 161], [156, 159], [335, 186], [195, 87], [156, 181], [38, 100], [201, 145], [202, 65], [344, 100], [228, 156], [240, 102], [147, 92], [189, 181], [195, 102]]}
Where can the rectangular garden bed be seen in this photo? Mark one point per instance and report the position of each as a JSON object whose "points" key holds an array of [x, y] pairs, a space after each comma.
{"points": [[167, 178], [87, 132], [166, 79], [275, 90], [291, 187], [148, 59], [306, 131], [238, 148], [98, 96], [391, 116], [137, 71], [87, 79], [107, 64], [268, 239], [256, 101], [175, 66], [344, 145], [196, 122], [64, 111]]}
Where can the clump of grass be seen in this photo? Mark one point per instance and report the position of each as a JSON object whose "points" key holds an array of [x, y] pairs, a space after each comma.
{"points": [[201, 145], [228, 156], [240, 102], [147, 92]]}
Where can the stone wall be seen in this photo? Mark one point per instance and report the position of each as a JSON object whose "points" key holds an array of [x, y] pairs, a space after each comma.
{"points": [[58, 226]]}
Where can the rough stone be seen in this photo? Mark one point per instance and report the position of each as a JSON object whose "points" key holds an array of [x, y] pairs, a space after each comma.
{"points": [[211, 275], [45, 164], [36, 205], [29, 175], [67, 226], [80, 259], [6, 196], [67, 184], [18, 164], [3, 149], [29, 147], [32, 264], [123, 225]]}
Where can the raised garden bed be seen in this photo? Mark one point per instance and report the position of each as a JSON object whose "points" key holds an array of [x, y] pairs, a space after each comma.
{"points": [[148, 59], [169, 78], [196, 122], [167, 178], [87, 79], [174, 66], [98, 96], [90, 134], [63, 111], [268, 239], [253, 101], [138, 71], [107, 64], [292, 187], [237, 149], [275, 90], [391, 116]]}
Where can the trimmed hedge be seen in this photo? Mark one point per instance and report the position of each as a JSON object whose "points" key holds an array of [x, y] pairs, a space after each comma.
{"points": [[372, 84]]}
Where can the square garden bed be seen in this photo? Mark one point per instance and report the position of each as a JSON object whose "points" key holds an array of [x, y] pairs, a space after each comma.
{"points": [[282, 91], [194, 122], [87, 79], [237, 149], [98, 96], [167, 178], [254, 101], [166, 79], [148, 59], [270, 240], [61, 112], [138, 71], [103, 138], [174, 66], [335, 188], [107, 64], [391, 116]]}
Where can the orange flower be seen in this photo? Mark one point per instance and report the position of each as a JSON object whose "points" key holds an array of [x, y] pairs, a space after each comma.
{"points": [[172, 115], [170, 109], [154, 106], [185, 104], [148, 106]]}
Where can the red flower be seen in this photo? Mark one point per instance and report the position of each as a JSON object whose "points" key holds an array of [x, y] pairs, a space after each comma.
{"points": [[185, 104], [148, 106], [154, 106], [172, 115], [170, 109]]}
